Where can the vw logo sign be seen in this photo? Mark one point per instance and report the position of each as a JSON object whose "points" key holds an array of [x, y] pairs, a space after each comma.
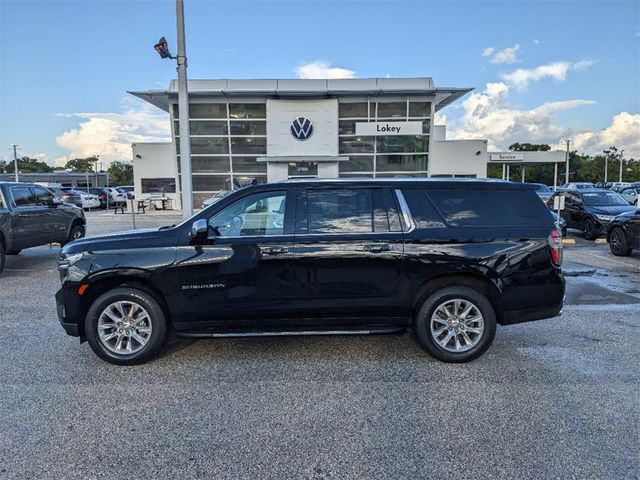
{"points": [[301, 128]]}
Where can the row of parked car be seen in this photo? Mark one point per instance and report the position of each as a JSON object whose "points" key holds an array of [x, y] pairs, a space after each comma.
{"points": [[95, 197]]}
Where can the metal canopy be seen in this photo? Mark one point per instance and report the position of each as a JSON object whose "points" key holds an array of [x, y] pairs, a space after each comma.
{"points": [[305, 88]]}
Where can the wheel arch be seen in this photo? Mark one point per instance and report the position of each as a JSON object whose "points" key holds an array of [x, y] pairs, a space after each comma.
{"points": [[478, 282], [131, 279]]}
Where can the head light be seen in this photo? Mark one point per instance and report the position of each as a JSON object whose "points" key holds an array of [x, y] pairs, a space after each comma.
{"points": [[605, 218], [67, 261]]}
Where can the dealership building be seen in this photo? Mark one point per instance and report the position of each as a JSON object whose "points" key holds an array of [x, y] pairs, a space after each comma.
{"points": [[270, 130]]}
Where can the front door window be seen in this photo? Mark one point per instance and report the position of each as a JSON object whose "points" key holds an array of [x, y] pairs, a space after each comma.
{"points": [[259, 214]]}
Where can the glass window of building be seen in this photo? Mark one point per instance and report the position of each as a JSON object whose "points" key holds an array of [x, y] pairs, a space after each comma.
{"points": [[158, 185], [208, 110], [248, 165], [249, 145], [402, 144], [211, 183], [247, 128], [247, 110], [206, 127], [353, 110], [420, 109], [207, 145], [357, 163], [392, 110], [401, 163], [210, 164], [356, 144]]}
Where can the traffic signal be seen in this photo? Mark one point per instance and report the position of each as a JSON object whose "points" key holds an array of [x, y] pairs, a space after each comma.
{"points": [[162, 47]]}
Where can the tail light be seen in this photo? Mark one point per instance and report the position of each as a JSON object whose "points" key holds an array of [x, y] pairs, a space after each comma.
{"points": [[555, 247], [102, 197]]}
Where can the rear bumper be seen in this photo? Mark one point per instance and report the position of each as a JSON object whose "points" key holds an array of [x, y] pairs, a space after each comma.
{"points": [[521, 316]]}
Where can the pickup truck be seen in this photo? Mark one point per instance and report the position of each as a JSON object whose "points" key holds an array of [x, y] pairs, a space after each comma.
{"points": [[31, 215]]}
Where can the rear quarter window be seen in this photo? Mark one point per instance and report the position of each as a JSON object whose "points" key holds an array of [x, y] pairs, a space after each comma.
{"points": [[489, 208]]}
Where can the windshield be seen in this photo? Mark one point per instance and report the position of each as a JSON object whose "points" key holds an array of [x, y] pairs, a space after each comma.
{"points": [[539, 187], [583, 186], [603, 199]]}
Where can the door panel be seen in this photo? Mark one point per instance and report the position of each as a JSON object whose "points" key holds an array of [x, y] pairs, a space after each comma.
{"points": [[29, 230], [243, 271], [54, 219], [348, 262]]}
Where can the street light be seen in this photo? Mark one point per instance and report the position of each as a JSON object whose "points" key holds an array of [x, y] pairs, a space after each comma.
{"points": [[606, 157], [162, 47], [621, 155]]}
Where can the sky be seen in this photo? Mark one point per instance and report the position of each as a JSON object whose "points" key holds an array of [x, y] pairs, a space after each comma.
{"points": [[543, 71]]}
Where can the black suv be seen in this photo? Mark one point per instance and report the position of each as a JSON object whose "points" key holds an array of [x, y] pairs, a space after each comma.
{"points": [[450, 258], [31, 215]]}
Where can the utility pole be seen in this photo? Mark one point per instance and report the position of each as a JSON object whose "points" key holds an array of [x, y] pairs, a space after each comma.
{"points": [[606, 159], [15, 160], [183, 113], [566, 164]]}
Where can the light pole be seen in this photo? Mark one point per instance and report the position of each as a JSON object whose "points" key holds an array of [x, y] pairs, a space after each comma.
{"points": [[15, 161], [621, 155], [183, 108], [566, 164], [606, 158]]}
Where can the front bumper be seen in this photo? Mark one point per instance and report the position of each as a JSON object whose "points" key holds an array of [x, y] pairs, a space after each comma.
{"points": [[70, 327]]}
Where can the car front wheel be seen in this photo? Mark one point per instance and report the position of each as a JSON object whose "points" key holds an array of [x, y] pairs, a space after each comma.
{"points": [[618, 243], [126, 326], [456, 324]]}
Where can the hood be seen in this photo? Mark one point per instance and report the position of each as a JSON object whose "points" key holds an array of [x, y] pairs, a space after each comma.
{"points": [[611, 210], [128, 239], [628, 214]]}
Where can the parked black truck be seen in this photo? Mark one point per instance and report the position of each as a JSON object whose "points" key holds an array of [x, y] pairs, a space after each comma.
{"points": [[31, 215], [448, 258]]}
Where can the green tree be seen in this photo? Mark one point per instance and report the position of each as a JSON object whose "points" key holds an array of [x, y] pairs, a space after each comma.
{"points": [[82, 165], [121, 173], [27, 165], [529, 147]]}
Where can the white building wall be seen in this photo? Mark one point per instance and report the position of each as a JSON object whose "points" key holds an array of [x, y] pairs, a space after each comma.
{"points": [[155, 160], [458, 157]]}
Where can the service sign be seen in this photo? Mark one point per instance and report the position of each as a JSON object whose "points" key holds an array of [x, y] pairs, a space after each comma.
{"points": [[507, 157], [388, 128], [558, 202]]}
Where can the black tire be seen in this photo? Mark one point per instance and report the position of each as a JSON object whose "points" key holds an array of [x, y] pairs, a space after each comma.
{"points": [[618, 243], [76, 232], [14, 252], [589, 229], [157, 321], [423, 322], [2, 256]]}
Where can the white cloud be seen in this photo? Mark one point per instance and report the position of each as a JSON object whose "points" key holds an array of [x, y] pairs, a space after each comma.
{"points": [[536, 41], [521, 77], [487, 52], [623, 132], [507, 55], [110, 135], [489, 115], [322, 69]]}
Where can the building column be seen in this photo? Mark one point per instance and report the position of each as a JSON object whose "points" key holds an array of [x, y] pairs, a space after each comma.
{"points": [[328, 170], [277, 171]]}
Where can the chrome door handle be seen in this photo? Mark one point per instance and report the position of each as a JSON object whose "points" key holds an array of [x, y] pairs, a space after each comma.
{"points": [[377, 247], [274, 250]]}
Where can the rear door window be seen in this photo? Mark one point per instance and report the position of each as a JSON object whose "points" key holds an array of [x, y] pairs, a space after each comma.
{"points": [[488, 207], [340, 211], [23, 197]]}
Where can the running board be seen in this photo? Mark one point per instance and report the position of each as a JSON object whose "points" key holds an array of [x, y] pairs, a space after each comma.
{"points": [[292, 333]]}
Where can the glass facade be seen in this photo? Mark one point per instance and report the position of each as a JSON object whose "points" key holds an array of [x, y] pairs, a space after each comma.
{"points": [[228, 137], [384, 155], [226, 140]]}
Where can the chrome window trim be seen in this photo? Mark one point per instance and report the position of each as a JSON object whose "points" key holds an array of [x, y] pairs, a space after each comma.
{"points": [[410, 226]]}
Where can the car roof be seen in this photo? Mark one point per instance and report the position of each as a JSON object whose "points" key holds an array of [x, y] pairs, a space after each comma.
{"points": [[481, 183]]}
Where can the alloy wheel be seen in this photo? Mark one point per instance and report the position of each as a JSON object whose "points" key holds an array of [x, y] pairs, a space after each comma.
{"points": [[457, 325], [124, 327]]}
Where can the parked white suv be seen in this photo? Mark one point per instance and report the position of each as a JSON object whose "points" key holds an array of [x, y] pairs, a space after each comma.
{"points": [[116, 196]]}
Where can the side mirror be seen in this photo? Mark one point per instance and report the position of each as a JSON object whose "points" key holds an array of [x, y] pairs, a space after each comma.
{"points": [[199, 230]]}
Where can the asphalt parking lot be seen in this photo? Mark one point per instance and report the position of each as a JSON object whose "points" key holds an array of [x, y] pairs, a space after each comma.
{"points": [[551, 399]]}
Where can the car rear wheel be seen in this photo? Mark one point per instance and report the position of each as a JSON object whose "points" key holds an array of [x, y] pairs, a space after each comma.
{"points": [[76, 233], [589, 229], [618, 243], [126, 326], [456, 324]]}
